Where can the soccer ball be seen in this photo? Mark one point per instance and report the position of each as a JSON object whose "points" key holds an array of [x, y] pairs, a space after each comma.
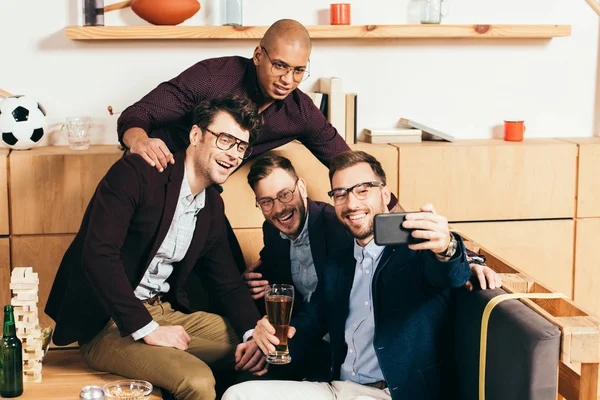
{"points": [[22, 122]]}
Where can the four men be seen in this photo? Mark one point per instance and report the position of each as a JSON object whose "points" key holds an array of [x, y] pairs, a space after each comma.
{"points": [[156, 217]]}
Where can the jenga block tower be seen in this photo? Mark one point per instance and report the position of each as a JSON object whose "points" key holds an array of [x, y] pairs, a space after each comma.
{"points": [[24, 285]]}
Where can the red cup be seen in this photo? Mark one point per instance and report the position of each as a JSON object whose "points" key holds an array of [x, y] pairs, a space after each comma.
{"points": [[339, 14], [514, 131]]}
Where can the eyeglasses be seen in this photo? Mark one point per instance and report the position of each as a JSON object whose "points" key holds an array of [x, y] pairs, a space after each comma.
{"points": [[361, 191], [225, 141], [284, 197], [279, 68]]}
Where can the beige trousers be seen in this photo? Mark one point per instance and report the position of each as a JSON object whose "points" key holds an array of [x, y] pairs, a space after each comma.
{"points": [[287, 390], [186, 374]]}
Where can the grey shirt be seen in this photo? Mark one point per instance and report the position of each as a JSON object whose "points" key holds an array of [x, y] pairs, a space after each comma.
{"points": [[172, 249], [304, 274]]}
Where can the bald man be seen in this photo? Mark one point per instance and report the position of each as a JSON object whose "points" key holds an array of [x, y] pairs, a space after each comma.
{"points": [[158, 124]]}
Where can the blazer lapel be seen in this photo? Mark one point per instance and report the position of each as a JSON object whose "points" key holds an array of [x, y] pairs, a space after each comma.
{"points": [[316, 236], [173, 188]]}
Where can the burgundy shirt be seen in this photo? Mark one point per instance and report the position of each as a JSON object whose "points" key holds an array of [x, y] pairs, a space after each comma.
{"points": [[165, 112]]}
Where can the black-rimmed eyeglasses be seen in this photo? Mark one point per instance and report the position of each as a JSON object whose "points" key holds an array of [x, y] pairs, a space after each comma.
{"points": [[362, 191], [285, 196], [279, 68], [225, 141]]}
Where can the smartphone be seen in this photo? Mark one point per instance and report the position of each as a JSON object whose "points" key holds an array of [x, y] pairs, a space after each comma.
{"points": [[388, 230]]}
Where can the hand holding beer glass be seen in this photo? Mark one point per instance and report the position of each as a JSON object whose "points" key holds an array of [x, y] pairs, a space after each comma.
{"points": [[279, 300]]}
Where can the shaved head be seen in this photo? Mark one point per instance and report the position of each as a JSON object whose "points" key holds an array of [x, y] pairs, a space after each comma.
{"points": [[289, 32]]}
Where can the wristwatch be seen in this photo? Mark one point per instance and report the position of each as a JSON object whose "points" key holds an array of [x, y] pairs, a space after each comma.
{"points": [[451, 250]]}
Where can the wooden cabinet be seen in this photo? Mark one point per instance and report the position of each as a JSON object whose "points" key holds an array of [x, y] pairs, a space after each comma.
{"points": [[51, 186], [482, 180], [4, 271], [43, 253], [240, 201], [587, 265], [4, 192], [588, 180], [542, 249]]}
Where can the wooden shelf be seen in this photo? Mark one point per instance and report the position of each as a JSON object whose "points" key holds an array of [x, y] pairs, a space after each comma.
{"points": [[322, 32]]}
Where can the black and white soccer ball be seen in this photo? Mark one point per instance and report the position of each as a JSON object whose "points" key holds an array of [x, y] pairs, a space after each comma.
{"points": [[22, 122]]}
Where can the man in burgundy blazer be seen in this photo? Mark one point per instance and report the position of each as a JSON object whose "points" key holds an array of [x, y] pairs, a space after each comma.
{"points": [[119, 289]]}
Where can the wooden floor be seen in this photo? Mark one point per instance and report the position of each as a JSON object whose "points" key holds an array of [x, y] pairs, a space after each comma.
{"points": [[64, 373]]}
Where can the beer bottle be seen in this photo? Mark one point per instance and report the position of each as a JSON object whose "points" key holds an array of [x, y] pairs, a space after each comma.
{"points": [[11, 358]]}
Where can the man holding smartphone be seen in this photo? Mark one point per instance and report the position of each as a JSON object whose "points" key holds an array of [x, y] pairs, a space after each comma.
{"points": [[385, 307]]}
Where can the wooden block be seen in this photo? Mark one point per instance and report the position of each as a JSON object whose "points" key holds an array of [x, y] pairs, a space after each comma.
{"points": [[23, 286], [32, 377], [481, 180], [23, 303], [44, 253], [541, 249], [66, 180], [27, 294], [517, 282], [251, 242], [584, 337]]}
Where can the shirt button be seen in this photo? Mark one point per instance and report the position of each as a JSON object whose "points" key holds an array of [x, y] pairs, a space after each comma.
{"points": [[367, 272], [351, 351], [366, 303], [354, 374]]}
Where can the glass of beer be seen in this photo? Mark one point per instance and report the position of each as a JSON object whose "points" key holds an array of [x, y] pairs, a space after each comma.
{"points": [[279, 300]]}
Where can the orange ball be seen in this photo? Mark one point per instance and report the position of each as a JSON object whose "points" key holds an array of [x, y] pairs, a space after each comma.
{"points": [[165, 12]]}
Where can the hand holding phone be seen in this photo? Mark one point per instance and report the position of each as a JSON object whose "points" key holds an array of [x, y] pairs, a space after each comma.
{"points": [[431, 230], [388, 230]]}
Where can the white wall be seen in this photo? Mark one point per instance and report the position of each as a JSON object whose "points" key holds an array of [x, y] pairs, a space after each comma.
{"points": [[463, 87]]}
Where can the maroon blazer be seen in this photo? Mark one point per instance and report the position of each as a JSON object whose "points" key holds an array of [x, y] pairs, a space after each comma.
{"points": [[124, 225]]}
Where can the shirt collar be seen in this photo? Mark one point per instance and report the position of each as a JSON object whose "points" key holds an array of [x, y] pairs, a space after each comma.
{"points": [[371, 249], [185, 195], [302, 238]]}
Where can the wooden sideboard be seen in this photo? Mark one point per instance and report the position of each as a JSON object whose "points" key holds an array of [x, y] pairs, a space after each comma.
{"points": [[533, 203]]}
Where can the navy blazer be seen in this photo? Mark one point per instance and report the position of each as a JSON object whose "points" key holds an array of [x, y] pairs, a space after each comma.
{"points": [[326, 235], [411, 299], [123, 227]]}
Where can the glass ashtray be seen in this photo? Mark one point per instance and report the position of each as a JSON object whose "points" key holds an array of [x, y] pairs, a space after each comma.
{"points": [[127, 390]]}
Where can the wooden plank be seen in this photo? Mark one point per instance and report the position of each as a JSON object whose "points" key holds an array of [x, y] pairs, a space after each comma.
{"points": [[541, 249], [4, 230], [239, 198], [588, 385], [4, 271], [482, 31], [568, 382], [51, 186], [251, 242], [44, 253], [483, 180], [587, 265], [64, 373]]}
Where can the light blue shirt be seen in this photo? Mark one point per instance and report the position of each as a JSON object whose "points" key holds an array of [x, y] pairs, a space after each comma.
{"points": [[361, 364], [304, 274], [172, 249]]}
